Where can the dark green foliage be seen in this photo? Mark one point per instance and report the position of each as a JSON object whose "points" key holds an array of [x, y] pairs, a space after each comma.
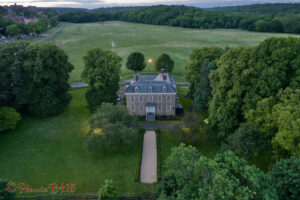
{"points": [[227, 176], [136, 62], [286, 178], [12, 56], [9, 118], [107, 191], [278, 119], [232, 89], [102, 73], [111, 128], [164, 62], [245, 141], [196, 63], [159, 154], [4, 194], [203, 89], [47, 70]]}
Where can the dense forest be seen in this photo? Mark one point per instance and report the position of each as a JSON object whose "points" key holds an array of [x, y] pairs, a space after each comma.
{"points": [[281, 18]]}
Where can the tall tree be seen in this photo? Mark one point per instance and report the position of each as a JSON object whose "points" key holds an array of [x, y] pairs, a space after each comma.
{"points": [[47, 68], [203, 89], [231, 88], [286, 178], [102, 73], [12, 74], [136, 62], [196, 63], [164, 61]]}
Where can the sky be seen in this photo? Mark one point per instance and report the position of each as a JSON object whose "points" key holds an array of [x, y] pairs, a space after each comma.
{"points": [[113, 3]]}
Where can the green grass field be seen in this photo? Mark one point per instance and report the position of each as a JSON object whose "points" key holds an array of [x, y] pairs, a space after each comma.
{"points": [[40, 152], [151, 40]]}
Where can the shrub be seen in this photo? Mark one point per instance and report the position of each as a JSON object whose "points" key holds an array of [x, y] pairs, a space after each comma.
{"points": [[9, 118], [107, 191]]}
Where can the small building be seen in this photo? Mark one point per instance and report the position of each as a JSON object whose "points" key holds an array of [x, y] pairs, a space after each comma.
{"points": [[152, 95]]}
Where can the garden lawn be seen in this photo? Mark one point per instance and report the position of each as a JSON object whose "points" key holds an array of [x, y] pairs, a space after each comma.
{"points": [[51, 150], [151, 40]]}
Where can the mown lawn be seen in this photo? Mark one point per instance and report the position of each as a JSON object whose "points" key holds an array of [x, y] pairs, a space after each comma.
{"points": [[151, 40], [50, 150]]}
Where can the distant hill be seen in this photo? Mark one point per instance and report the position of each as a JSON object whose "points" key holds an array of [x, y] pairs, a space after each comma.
{"points": [[261, 8]]}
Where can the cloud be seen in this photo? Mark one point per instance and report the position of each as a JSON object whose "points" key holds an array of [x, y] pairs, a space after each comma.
{"points": [[111, 3]]}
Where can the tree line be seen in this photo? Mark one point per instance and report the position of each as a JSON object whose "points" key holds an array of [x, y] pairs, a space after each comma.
{"points": [[251, 95], [192, 17]]}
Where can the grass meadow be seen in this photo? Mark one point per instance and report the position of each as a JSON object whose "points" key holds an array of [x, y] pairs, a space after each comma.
{"points": [[151, 40], [40, 152]]}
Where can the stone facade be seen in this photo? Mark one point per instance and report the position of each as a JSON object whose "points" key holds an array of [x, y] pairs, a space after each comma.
{"points": [[164, 103], [152, 95]]}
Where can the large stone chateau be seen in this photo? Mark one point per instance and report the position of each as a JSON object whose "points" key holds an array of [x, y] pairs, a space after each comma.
{"points": [[152, 95]]}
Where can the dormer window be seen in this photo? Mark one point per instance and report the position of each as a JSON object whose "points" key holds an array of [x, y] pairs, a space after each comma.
{"points": [[136, 90], [150, 89], [164, 89]]}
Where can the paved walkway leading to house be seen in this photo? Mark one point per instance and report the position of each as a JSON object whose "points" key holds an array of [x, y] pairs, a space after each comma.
{"points": [[149, 158]]}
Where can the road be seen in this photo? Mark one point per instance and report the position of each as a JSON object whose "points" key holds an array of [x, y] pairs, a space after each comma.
{"points": [[51, 35]]}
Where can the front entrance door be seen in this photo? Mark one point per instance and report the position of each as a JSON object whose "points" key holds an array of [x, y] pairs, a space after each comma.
{"points": [[150, 112]]}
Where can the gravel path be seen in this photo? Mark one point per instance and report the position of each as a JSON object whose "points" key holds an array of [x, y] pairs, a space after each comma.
{"points": [[149, 159]]}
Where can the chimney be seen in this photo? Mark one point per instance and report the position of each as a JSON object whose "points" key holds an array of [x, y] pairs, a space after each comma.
{"points": [[164, 77], [162, 71], [137, 77]]}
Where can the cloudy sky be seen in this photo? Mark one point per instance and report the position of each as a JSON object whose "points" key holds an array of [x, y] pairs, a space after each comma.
{"points": [[111, 3]]}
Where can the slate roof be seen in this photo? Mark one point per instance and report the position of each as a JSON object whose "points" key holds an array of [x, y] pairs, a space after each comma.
{"points": [[146, 81]]}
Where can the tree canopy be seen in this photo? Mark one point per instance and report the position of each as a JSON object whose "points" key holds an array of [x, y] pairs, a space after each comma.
{"points": [[286, 178], [190, 176], [136, 62], [164, 61], [102, 73], [196, 62], [47, 69], [111, 129], [278, 118]]}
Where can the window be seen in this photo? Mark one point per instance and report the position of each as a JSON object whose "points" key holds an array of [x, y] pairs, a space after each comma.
{"points": [[141, 98], [169, 98], [132, 98], [132, 108], [164, 89], [136, 89], [150, 89], [170, 107], [141, 108], [150, 98], [160, 98], [159, 107]]}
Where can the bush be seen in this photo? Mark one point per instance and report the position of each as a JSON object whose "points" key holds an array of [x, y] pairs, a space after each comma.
{"points": [[111, 129], [4, 194], [9, 118], [107, 191]]}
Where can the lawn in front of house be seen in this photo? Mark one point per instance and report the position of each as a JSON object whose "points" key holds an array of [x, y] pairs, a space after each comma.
{"points": [[40, 152]]}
